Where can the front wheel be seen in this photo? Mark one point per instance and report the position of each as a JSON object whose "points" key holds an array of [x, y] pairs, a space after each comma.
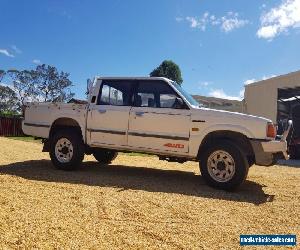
{"points": [[223, 165], [67, 149], [294, 151]]}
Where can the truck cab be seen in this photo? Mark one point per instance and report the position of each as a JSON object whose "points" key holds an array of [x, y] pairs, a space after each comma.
{"points": [[141, 113]]}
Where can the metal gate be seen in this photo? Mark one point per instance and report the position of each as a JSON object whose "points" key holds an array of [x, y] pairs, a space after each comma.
{"points": [[11, 126]]}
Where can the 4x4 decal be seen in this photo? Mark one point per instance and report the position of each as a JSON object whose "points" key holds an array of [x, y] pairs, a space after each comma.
{"points": [[174, 145]]}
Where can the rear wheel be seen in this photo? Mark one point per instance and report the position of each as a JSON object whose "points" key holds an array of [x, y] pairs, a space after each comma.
{"points": [[223, 165], [67, 149], [105, 156]]}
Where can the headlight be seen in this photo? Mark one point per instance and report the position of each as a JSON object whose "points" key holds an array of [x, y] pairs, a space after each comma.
{"points": [[271, 130]]}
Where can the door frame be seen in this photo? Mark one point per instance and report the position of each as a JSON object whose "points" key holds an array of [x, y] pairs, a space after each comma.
{"points": [[156, 111], [96, 106]]}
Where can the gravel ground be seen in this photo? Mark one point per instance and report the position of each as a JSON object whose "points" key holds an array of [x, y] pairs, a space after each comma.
{"points": [[136, 203]]}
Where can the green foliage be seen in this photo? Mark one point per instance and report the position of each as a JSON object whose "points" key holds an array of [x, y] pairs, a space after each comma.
{"points": [[10, 114], [168, 69], [136, 154], [45, 83], [25, 139], [2, 74], [9, 103], [23, 85], [52, 85]]}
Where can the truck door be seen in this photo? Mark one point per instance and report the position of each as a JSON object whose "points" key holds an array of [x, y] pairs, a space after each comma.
{"points": [[107, 122], [159, 119]]}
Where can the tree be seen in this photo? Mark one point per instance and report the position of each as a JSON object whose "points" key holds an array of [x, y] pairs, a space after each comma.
{"points": [[8, 99], [2, 74], [23, 85], [45, 83], [168, 69], [9, 102], [52, 85]]}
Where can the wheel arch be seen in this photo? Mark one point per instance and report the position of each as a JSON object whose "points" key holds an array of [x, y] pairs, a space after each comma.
{"points": [[238, 138], [65, 122]]}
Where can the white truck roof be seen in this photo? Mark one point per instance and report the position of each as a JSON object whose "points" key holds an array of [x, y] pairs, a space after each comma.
{"points": [[131, 78]]}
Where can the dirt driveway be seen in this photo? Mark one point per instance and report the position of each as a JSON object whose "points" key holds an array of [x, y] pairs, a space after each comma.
{"points": [[137, 202]]}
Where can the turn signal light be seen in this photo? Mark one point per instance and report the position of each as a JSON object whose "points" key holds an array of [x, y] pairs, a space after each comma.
{"points": [[271, 130]]}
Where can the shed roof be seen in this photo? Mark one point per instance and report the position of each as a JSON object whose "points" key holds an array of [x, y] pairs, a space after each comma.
{"points": [[280, 81], [286, 93]]}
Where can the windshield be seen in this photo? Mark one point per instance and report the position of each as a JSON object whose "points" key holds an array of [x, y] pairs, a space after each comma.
{"points": [[187, 96]]}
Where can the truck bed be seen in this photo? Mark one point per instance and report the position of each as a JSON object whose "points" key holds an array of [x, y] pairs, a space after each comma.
{"points": [[39, 117]]}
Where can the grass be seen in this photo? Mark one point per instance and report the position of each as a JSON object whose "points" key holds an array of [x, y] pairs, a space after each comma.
{"points": [[136, 203], [24, 138], [136, 154]]}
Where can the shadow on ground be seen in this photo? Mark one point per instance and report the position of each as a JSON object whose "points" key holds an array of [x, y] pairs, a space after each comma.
{"points": [[135, 178], [289, 163]]}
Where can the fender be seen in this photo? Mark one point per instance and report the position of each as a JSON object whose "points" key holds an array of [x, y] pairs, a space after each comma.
{"points": [[70, 120], [197, 138]]}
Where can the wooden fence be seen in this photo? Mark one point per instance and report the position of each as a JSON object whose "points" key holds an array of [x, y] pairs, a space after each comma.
{"points": [[11, 126]]}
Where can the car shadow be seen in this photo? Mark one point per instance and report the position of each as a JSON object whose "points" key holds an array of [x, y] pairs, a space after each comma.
{"points": [[289, 163], [135, 178]]}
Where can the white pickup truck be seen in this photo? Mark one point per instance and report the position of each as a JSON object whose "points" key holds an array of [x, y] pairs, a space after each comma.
{"points": [[154, 115]]}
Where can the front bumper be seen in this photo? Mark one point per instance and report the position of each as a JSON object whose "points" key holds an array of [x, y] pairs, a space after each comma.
{"points": [[268, 152]]}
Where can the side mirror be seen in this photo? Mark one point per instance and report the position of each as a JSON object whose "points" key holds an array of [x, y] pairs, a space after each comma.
{"points": [[179, 104], [89, 85]]}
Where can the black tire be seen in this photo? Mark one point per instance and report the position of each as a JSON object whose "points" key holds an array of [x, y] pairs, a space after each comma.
{"points": [[251, 161], [294, 152], [75, 138], [240, 166], [105, 156]]}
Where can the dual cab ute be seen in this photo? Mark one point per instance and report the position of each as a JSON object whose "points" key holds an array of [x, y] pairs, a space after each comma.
{"points": [[154, 115]]}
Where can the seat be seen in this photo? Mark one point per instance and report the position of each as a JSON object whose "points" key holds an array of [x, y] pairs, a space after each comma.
{"points": [[151, 102], [138, 101]]}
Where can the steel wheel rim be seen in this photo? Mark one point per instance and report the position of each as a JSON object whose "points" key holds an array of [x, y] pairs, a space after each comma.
{"points": [[64, 150], [221, 166]]}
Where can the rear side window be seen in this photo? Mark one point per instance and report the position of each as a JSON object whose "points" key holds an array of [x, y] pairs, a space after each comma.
{"points": [[116, 93]]}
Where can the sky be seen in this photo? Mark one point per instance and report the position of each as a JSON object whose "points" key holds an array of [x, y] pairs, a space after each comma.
{"points": [[220, 45]]}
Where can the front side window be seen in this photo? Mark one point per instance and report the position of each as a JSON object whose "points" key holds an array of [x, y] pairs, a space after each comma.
{"points": [[157, 94], [116, 93]]}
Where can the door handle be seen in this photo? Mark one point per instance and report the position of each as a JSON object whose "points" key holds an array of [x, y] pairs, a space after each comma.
{"points": [[102, 111], [139, 113]]}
